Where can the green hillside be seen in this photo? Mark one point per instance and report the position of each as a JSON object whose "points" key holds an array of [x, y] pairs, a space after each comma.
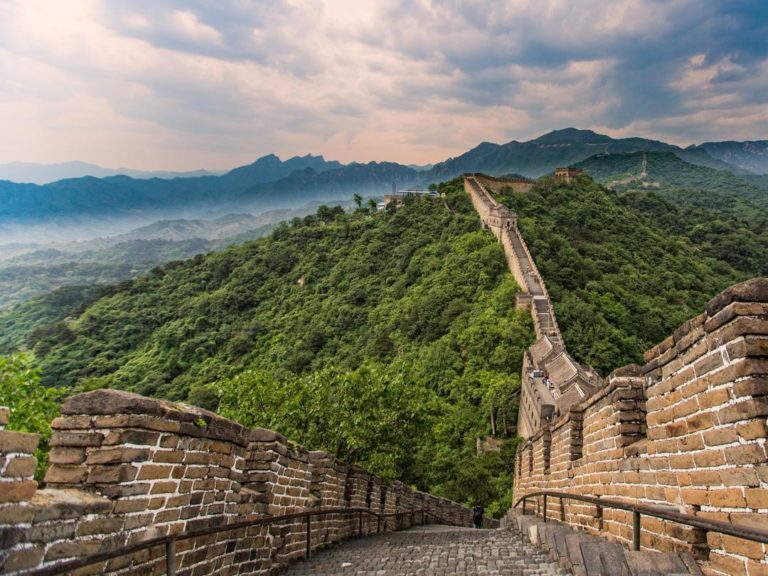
{"points": [[388, 338], [667, 170], [620, 281], [391, 338], [724, 215]]}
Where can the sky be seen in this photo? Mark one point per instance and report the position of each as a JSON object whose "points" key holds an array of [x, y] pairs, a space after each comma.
{"points": [[180, 85]]}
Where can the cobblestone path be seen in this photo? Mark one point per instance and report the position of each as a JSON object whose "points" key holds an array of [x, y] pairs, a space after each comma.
{"points": [[432, 551]]}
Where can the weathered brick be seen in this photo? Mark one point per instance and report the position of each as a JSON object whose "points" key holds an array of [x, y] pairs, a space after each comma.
{"points": [[745, 454], [65, 438], [154, 472], [21, 467], [117, 455], [23, 559], [112, 474], [60, 455], [744, 410], [729, 498], [59, 474], [752, 429], [21, 442], [19, 491]]}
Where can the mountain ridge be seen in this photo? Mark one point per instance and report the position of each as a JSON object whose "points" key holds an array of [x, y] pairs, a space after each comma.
{"points": [[271, 183]]}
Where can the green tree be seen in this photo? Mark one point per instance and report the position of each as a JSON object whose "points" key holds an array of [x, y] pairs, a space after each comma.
{"points": [[33, 406]]}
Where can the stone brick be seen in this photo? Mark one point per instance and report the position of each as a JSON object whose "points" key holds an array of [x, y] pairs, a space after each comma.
{"points": [[112, 474], [154, 472], [72, 549], [23, 559], [99, 526], [19, 491], [59, 474], [60, 455], [21, 442], [21, 467], [728, 498], [65, 438], [744, 410], [745, 454], [752, 429], [117, 455], [708, 364]]}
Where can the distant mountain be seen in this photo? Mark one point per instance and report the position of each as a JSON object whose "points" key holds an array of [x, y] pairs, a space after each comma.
{"points": [[114, 259], [752, 156], [87, 207], [540, 156], [33, 173]]}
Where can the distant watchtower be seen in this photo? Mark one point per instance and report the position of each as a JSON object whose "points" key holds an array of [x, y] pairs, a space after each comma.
{"points": [[567, 174]]}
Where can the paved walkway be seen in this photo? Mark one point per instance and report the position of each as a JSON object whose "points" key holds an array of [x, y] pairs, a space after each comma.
{"points": [[432, 551]]}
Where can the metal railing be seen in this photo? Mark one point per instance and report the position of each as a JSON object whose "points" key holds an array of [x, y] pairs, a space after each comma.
{"points": [[638, 510], [169, 542]]}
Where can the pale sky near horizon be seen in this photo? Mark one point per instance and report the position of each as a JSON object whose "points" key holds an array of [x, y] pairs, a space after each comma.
{"points": [[171, 84]]}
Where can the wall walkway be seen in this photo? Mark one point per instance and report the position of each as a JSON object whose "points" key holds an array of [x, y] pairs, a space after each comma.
{"points": [[569, 382], [125, 469], [686, 431]]}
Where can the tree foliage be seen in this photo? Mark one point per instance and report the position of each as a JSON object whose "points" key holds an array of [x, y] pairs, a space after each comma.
{"points": [[32, 405]]}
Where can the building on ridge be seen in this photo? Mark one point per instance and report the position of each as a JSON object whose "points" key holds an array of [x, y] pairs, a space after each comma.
{"points": [[567, 174]]}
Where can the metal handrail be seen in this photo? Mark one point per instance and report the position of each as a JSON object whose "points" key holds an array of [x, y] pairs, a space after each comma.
{"points": [[737, 530], [170, 541]]}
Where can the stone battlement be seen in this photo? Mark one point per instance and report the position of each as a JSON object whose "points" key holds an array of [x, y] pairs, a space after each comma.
{"points": [[125, 468], [687, 430], [567, 382]]}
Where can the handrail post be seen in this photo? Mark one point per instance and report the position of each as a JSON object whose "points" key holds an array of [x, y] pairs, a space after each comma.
{"points": [[309, 536], [360, 523], [525, 501], [545, 506], [170, 557], [635, 530]]}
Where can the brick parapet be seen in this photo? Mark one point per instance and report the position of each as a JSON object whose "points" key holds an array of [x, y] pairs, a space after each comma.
{"points": [[687, 430], [125, 468], [17, 463]]}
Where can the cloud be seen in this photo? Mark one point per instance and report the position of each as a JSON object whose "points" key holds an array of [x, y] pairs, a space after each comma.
{"points": [[205, 83]]}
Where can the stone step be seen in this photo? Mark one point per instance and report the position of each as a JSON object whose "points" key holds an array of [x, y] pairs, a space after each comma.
{"points": [[586, 554]]}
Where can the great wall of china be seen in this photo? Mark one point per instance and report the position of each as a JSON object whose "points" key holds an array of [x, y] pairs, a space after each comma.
{"points": [[685, 432], [126, 469]]}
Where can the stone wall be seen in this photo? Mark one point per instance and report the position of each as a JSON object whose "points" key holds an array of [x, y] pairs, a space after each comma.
{"points": [[125, 469], [519, 185], [686, 431], [571, 382]]}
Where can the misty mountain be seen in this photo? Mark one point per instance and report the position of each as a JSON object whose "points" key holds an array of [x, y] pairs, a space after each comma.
{"points": [[87, 207], [83, 208], [34, 173], [751, 156], [111, 260]]}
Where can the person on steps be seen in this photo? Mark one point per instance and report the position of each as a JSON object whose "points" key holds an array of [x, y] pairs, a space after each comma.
{"points": [[477, 515]]}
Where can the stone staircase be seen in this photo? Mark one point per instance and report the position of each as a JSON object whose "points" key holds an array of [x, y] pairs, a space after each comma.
{"points": [[432, 551], [584, 554]]}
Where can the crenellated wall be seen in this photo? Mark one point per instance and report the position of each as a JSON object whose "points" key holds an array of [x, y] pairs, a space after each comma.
{"points": [[686, 431], [125, 468], [570, 382]]}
